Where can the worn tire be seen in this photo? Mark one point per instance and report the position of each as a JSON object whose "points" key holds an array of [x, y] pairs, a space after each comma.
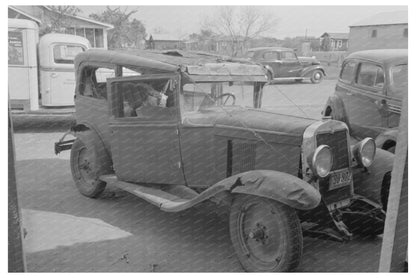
{"points": [[279, 246], [84, 171], [317, 76]]}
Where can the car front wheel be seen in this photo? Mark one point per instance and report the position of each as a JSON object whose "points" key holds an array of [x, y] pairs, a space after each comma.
{"points": [[84, 171], [317, 76], [266, 234]]}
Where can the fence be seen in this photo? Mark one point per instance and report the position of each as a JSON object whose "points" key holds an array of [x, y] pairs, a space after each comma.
{"points": [[330, 58]]}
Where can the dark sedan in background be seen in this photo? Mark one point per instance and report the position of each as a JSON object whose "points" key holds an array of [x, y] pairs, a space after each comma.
{"points": [[369, 93], [284, 64]]}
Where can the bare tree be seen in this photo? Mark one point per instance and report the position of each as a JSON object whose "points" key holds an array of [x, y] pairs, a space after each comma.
{"points": [[58, 19], [240, 25], [127, 32]]}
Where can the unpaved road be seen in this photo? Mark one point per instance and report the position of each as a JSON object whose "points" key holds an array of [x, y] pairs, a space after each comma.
{"points": [[119, 232]]}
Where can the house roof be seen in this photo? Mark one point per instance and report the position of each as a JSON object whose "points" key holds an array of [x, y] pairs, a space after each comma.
{"points": [[389, 18], [342, 36], [25, 14], [108, 26]]}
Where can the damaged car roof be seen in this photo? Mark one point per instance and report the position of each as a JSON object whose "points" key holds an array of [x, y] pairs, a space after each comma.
{"points": [[193, 63]]}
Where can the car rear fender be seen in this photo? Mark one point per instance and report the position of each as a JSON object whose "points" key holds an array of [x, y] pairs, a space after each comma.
{"points": [[307, 72], [279, 186], [369, 183], [93, 141]]}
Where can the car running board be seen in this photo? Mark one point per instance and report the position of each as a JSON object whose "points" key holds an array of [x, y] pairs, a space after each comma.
{"points": [[166, 201], [290, 78]]}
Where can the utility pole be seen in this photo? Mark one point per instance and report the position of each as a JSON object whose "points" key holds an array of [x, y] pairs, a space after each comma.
{"points": [[395, 239], [16, 256]]}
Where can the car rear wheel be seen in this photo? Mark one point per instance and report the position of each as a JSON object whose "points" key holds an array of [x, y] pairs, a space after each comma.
{"points": [[317, 76], [83, 170], [266, 234]]}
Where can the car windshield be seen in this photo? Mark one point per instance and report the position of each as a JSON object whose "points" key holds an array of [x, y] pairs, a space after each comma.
{"points": [[203, 97], [399, 76]]}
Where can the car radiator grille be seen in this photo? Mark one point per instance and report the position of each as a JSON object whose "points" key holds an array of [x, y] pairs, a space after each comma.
{"points": [[338, 143], [339, 146]]}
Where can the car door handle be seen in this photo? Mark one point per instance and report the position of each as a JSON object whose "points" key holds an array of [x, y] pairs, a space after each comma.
{"points": [[348, 93], [54, 75]]}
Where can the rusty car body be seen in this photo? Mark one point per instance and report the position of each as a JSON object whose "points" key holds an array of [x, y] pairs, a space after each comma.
{"points": [[284, 64], [368, 94], [205, 137]]}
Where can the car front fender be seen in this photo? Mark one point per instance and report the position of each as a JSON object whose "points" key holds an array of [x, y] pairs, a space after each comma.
{"points": [[369, 183], [278, 186], [335, 106], [309, 69], [389, 135]]}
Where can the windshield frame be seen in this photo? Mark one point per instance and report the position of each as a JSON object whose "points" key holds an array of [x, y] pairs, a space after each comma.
{"points": [[257, 95]]}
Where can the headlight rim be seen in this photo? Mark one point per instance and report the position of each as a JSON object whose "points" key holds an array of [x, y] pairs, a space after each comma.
{"points": [[314, 158], [358, 150]]}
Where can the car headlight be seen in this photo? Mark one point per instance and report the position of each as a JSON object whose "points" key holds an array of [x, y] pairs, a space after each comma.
{"points": [[322, 160], [364, 152]]}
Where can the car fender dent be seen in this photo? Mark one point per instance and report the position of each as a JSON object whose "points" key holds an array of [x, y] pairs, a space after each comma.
{"points": [[278, 186]]}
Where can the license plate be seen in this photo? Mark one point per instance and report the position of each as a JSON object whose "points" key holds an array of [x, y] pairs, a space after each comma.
{"points": [[339, 179]]}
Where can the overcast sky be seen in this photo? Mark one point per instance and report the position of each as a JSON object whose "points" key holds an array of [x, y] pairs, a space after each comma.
{"points": [[292, 20]]}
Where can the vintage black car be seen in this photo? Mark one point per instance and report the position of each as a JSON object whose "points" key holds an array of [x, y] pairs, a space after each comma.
{"points": [[369, 93], [188, 128], [283, 64]]}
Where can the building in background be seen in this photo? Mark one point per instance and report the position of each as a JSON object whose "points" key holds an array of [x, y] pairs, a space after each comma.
{"points": [[384, 30], [94, 31], [164, 42], [334, 41]]}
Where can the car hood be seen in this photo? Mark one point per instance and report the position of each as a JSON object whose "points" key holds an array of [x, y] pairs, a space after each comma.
{"points": [[252, 120]]}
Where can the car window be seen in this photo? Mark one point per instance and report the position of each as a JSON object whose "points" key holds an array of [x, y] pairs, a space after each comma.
{"points": [[203, 97], [93, 81], [270, 56], [152, 99], [65, 54], [370, 75], [399, 81], [288, 55], [347, 72]]}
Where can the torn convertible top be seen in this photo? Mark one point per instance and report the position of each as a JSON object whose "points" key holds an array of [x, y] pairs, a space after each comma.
{"points": [[197, 65]]}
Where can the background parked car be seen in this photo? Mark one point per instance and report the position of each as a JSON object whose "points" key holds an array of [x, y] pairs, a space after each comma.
{"points": [[284, 64], [369, 92]]}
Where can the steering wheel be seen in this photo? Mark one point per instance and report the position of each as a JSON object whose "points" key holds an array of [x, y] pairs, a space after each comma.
{"points": [[228, 95]]}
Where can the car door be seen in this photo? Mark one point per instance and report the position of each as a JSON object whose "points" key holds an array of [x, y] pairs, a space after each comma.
{"points": [[58, 80], [398, 82], [366, 101], [272, 59], [291, 66], [145, 137]]}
